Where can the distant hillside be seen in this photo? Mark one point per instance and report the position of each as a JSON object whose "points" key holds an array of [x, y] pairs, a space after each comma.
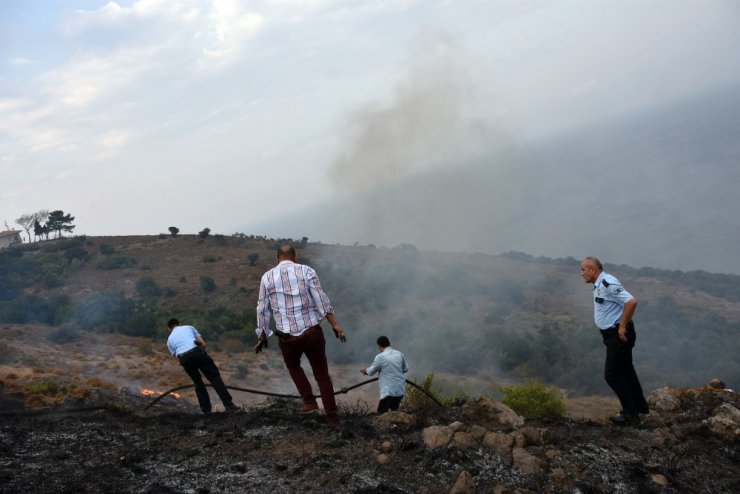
{"points": [[513, 315], [651, 189]]}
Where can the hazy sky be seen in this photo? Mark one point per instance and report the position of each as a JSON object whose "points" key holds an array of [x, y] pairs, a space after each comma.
{"points": [[134, 116]]}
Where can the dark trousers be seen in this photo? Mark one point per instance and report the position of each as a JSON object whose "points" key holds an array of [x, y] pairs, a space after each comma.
{"points": [[199, 361], [389, 403], [313, 344], [619, 372]]}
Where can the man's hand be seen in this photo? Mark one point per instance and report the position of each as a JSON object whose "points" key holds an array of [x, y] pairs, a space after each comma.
{"points": [[339, 332], [260, 345], [363, 370], [622, 334]]}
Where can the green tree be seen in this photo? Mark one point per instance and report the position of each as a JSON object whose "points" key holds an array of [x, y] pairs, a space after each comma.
{"points": [[174, 231], [27, 221], [253, 258], [204, 233], [59, 222], [40, 230]]}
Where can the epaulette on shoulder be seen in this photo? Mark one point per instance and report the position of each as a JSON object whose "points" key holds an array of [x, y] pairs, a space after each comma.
{"points": [[605, 283]]}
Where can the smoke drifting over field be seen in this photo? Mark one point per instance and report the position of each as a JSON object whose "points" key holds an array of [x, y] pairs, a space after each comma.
{"points": [[653, 189], [429, 121]]}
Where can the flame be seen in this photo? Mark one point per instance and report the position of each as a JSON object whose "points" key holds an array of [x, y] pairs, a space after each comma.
{"points": [[153, 393]]}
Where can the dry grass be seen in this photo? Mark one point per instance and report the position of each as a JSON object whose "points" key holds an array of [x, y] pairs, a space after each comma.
{"points": [[110, 362]]}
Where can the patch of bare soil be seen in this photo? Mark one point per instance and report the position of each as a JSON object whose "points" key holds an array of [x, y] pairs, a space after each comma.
{"points": [[270, 448]]}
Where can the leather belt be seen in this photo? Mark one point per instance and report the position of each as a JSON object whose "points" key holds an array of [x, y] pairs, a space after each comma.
{"points": [[289, 337]]}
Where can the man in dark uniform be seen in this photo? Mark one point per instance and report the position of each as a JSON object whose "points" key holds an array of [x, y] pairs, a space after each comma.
{"points": [[613, 310], [188, 345]]}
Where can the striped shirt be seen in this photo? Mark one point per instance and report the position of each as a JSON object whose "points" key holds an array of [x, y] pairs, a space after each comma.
{"points": [[292, 294]]}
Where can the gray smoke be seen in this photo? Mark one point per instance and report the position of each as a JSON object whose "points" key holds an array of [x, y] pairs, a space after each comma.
{"points": [[429, 121]]}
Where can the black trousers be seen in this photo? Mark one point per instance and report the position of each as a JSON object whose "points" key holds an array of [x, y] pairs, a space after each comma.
{"points": [[389, 403], [619, 372], [199, 361]]}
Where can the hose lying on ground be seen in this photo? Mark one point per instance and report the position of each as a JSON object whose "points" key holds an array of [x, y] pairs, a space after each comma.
{"points": [[344, 390]]}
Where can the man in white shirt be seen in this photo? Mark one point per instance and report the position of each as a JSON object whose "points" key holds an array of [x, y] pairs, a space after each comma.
{"points": [[187, 344], [613, 310], [390, 365]]}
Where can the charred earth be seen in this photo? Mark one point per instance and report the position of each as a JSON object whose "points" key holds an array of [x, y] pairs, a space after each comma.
{"points": [[688, 443]]}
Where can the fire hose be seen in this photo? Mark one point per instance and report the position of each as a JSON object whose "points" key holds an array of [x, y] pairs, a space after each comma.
{"points": [[343, 390]]}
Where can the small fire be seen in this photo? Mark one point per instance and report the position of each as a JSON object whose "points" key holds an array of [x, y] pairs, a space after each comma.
{"points": [[153, 393]]}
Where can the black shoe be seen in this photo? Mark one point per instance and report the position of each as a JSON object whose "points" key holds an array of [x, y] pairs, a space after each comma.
{"points": [[645, 410], [623, 418], [232, 408]]}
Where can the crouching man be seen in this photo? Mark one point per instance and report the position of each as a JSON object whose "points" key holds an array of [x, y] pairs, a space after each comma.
{"points": [[390, 365], [187, 344]]}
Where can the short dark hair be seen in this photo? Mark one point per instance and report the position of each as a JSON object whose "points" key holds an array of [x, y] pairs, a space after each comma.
{"points": [[384, 341], [172, 323]]}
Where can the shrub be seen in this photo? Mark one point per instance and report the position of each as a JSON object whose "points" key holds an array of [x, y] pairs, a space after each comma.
{"points": [[45, 388], [253, 258], [115, 262], [207, 284], [142, 322], [146, 287], [76, 252], [418, 399], [28, 308], [242, 371], [51, 281], [533, 400], [63, 334], [204, 233], [105, 312], [106, 250], [210, 258], [145, 347]]}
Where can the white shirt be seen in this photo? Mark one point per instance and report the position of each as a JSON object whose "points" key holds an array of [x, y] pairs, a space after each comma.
{"points": [[609, 300], [182, 339], [391, 364]]}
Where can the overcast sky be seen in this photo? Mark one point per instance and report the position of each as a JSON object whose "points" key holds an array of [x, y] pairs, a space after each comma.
{"points": [[134, 116]]}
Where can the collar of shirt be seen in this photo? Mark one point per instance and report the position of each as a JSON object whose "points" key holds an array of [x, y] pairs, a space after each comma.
{"points": [[599, 280]]}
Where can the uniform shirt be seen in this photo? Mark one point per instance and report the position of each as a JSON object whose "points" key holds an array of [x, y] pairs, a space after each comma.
{"points": [[182, 339], [292, 293], [391, 365], [609, 300]]}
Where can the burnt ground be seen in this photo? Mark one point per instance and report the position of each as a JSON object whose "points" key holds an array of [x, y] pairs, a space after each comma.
{"points": [[270, 448]]}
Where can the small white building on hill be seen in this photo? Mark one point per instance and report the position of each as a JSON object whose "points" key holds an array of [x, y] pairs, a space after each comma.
{"points": [[10, 237]]}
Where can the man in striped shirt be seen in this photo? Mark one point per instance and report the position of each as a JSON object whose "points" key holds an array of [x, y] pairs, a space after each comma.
{"points": [[291, 293]]}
